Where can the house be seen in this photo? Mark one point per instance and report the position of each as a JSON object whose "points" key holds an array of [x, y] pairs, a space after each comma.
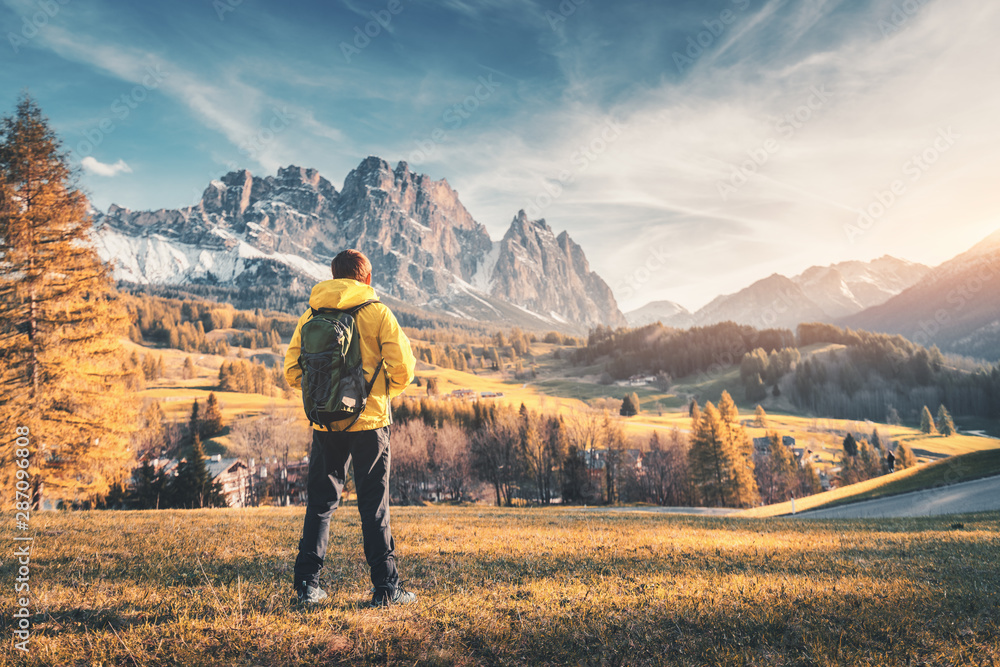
{"points": [[234, 476], [761, 444], [627, 458]]}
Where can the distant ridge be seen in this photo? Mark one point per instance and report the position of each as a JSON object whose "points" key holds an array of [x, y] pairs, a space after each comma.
{"points": [[820, 293], [956, 306]]}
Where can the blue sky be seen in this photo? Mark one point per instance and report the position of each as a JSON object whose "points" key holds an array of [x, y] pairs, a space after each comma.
{"points": [[689, 147]]}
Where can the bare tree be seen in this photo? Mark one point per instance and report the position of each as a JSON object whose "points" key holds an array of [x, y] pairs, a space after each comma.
{"points": [[275, 438], [410, 460], [452, 461], [495, 454]]}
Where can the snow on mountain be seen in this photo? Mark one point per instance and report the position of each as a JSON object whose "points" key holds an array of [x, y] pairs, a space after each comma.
{"points": [[425, 247], [669, 313]]}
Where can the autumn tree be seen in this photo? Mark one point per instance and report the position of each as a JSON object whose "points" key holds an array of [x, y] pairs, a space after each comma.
{"points": [[904, 456], [927, 422], [61, 373], [760, 417], [945, 424], [211, 423], [720, 457]]}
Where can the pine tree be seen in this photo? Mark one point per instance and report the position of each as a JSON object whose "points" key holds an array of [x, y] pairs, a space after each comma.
{"points": [[850, 445], [61, 377], [149, 491], [876, 440], [744, 485], [188, 371], [193, 486], [892, 417], [945, 424], [194, 421], [211, 423], [808, 480], [905, 457], [720, 457], [761, 417], [927, 422], [783, 467], [630, 405]]}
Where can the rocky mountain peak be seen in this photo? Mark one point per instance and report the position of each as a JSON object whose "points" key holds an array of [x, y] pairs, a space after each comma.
{"points": [[425, 247], [550, 276]]}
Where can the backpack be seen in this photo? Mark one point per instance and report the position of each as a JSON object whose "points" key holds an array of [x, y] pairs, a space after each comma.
{"points": [[333, 380]]}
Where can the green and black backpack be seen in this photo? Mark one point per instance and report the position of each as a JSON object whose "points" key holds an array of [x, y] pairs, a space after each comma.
{"points": [[333, 380]]}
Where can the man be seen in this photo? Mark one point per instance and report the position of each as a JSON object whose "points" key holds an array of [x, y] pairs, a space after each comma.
{"points": [[366, 441]]}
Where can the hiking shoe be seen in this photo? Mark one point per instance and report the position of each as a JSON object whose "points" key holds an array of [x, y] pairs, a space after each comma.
{"points": [[310, 594], [398, 596]]}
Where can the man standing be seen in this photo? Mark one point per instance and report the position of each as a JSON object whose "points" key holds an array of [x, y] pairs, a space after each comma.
{"points": [[366, 441]]}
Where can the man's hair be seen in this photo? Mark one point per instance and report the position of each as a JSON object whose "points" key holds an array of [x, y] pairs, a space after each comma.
{"points": [[351, 264]]}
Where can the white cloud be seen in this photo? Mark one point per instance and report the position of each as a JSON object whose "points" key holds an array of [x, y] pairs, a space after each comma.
{"points": [[94, 166], [657, 185]]}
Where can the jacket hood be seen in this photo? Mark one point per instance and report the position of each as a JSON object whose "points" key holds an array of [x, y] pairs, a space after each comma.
{"points": [[341, 293]]}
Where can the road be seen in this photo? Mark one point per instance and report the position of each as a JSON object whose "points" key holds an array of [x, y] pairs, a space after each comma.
{"points": [[977, 496]]}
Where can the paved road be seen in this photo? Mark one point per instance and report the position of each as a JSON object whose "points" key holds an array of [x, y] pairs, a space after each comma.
{"points": [[978, 496]]}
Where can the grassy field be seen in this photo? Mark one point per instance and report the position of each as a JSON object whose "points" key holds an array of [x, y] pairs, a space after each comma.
{"points": [[514, 587], [960, 468]]}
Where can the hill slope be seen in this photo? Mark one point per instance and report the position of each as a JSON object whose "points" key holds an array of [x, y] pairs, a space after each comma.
{"points": [[956, 306]]}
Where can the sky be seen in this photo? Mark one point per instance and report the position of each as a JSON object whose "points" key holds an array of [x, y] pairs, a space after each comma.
{"points": [[690, 147]]}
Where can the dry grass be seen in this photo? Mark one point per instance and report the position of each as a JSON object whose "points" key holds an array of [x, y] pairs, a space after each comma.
{"points": [[522, 587]]}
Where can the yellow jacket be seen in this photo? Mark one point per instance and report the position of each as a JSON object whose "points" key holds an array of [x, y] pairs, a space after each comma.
{"points": [[381, 338]]}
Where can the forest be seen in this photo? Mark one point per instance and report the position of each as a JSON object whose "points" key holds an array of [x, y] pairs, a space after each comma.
{"points": [[864, 375]]}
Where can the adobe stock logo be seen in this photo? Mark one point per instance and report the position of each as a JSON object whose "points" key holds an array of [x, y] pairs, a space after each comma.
{"points": [[381, 20], [705, 39], [786, 128], [30, 25], [658, 259], [914, 168]]}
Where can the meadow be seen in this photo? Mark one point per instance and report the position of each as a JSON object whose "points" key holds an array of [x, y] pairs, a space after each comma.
{"points": [[514, 587]]}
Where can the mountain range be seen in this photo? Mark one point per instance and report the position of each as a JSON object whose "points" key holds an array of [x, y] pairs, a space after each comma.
{"points": [[429, 253], [955, 306], [820, 293], [425, 247]]}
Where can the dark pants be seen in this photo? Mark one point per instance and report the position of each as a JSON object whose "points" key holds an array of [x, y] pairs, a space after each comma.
{"points": [[328, 460]]}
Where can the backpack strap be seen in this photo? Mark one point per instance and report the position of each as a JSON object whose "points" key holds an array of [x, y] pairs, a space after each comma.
{"points": [[358, 307], [351, 311]]}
